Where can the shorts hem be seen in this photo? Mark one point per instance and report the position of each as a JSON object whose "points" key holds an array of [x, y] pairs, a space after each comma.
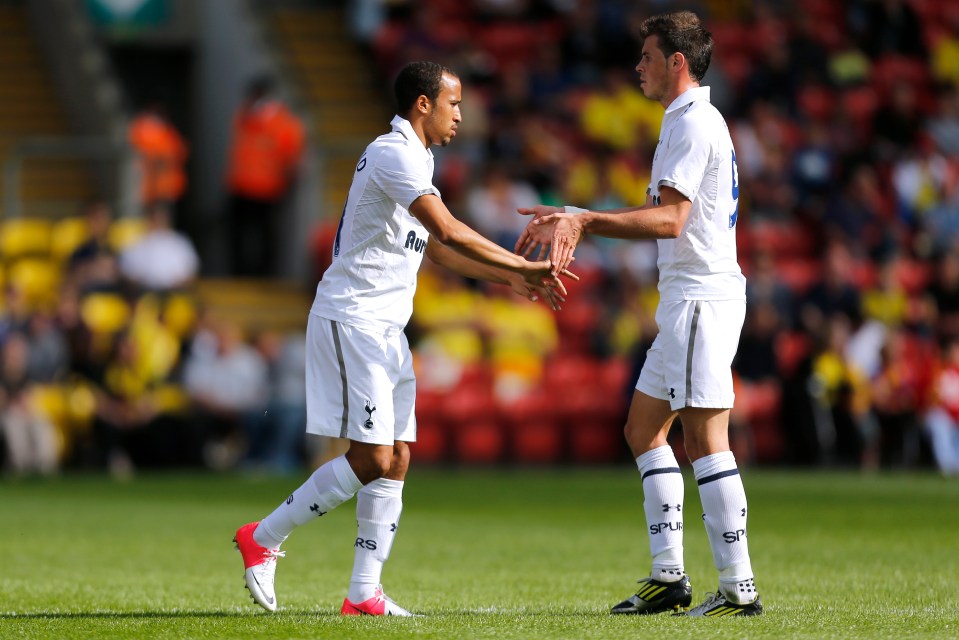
{"points": [[318, 430], [705, 403]]}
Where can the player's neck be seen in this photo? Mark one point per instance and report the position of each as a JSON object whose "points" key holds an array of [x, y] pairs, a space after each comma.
{"points": [[682, 86], [417, 124]]}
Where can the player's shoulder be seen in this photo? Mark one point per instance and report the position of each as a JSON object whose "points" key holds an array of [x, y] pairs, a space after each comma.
{"points": [[703, 120], [701, 114], [393, 150]]}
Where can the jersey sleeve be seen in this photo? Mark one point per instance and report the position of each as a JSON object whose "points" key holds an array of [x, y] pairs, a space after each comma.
{"points": [[403, 177], [688, 154]]}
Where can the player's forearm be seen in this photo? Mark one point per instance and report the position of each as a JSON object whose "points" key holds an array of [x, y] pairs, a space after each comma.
{"points": [[636, 223], [451, 233], [464, 266], [469, 244]]}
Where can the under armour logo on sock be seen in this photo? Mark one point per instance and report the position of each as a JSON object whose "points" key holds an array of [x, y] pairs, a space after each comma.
{"points": [[315, 508], [392, 527], [744, 512], [667, 507], [672, 393]]}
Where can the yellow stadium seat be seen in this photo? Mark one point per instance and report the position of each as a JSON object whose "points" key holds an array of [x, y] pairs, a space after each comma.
{"points": [[81, 404], [126, 231], [170, 398], [38, 279], [68, 234], [50, 400], [21, 237], [69, 406], [180, 314], [104, 313]]}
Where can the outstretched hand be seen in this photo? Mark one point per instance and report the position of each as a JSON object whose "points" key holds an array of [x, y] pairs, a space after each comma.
{"points": [[561, 231], [535, 238], [538, 282]]}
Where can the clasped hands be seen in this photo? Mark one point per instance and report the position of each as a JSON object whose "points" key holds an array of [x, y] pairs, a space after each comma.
{"points": [[550, 227]]}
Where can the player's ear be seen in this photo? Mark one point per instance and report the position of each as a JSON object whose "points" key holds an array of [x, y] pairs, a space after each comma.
{"points": [[423, 104]]}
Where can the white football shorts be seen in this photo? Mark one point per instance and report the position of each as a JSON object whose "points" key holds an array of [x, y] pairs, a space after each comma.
{"points": [[359, 384], [690, 362]]}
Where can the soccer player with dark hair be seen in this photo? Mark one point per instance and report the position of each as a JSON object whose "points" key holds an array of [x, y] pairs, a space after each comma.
{"points": [[359, 369], [691, 210]]}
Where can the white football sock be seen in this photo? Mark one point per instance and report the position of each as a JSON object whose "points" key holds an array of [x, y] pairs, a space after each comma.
{"points": [[663, 492], [724, 506], [330, 486], [378, 508]]}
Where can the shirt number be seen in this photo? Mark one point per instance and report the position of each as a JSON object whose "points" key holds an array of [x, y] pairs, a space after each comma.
{"points": [[734, 216]]}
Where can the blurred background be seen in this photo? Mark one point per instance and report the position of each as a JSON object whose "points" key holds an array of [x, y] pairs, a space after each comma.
{"points": [[174, 170]]}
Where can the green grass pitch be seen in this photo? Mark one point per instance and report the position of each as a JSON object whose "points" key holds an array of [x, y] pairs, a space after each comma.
{"points": [[483, 554]]}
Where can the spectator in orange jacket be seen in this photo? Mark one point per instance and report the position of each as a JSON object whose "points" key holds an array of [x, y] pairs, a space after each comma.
{"points": [[162, 154], [267, 146]]}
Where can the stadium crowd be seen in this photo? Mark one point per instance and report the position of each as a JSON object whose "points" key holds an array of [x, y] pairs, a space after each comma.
{"points": [[845, 118], [109, 361]]}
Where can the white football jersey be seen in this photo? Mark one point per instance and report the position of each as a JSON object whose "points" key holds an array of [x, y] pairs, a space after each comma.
{"points": [[379, 245], [695, 156]]}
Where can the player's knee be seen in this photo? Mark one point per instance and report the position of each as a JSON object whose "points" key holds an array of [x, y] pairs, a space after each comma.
{"points": [[370, 463], [400, 461], [634, 438], [381, 462]]}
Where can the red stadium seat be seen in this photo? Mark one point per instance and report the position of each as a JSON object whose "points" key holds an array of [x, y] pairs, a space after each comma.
{"points": [[479, 442], [534, 427], [468, 403], [576, 324], [732, 38], [816, 102], [782, 239], [615, 373], [450, 9], [596, 443], [759, 405], [737, 68], [864, 274], [889, 72], [860, 103], [767, 442], [590, 278], [791, 348], [799, 274], [562, 372], [510, 43], [536, 442], [758, 400], [830, 34], [431, 442], [914, 275], [824, 10], [429, 405]]}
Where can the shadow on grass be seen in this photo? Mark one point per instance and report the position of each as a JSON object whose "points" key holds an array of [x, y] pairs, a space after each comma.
{"points": [[157, 615]]}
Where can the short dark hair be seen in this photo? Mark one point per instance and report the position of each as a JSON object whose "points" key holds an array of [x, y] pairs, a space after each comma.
{"points": [[418, 79], [683, 32]]}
